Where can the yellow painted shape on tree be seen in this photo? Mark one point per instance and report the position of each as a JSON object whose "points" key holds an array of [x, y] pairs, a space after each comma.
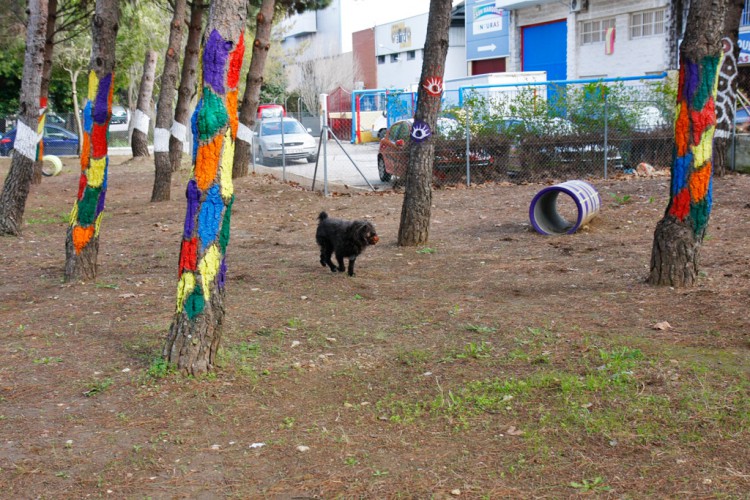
{"points": [[702, 151], [95, 174], [209, 268], [93, 85], [98, 224], [185, 287], [227, 162], [74, 214]]}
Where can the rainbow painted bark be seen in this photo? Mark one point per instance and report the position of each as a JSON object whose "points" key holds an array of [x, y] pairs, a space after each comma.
{"points": [[202, 265], [695, 123], [86, 217]]}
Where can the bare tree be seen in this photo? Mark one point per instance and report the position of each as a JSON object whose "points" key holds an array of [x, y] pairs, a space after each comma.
{"points": [[73, 56], [164, 110], [195, 333], [18, 181], [82, 239], [250, 99], [679, 234], [416, 209], [321, 75], [188, 79], [139, 139]]}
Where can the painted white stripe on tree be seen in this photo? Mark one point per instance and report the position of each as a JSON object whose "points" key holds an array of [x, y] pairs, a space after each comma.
{"points": [[179, 131], [244, 134], [26, 141], [161, 140], [140, 121]]}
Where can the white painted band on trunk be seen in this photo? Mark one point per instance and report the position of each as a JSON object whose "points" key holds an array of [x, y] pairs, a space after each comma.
{"points": [[722, 134], [179, 131], [140, 121], [161, 140], [244, 133], [26, 141]]}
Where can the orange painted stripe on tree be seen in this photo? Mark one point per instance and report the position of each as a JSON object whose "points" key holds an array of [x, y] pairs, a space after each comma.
{"points": [[699, 182], [232, 110], [207, 162], [682, 129], [81, 236]]}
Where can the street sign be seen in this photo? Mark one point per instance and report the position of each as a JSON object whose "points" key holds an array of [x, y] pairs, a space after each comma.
{"points": [[487, 29]]}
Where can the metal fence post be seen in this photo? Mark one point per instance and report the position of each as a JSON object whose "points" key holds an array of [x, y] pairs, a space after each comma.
{"points": [[606, 132], [468, 147]]}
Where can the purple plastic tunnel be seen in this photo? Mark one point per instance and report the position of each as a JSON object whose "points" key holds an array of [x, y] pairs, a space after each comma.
{"points": [[543, 210]]}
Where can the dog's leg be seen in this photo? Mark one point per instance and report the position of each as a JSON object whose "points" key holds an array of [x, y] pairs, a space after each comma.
{"points": [[340, 260], [325, 258], [351, 265]]}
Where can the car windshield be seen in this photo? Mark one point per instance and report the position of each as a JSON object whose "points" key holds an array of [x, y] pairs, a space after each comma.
{"points": [[274, 128]]}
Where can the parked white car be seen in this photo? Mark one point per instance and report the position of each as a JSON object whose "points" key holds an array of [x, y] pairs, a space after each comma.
{"points": [[297, 143]]}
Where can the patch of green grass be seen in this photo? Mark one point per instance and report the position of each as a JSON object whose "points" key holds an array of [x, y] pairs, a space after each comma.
{"points": [[620, 199], [596, 484], [413, 357], [160, 368], [42, 216], [98, 387], [47, 360], [241, 357], [601, 393], [472, 350], [426, 250], [480, 329]]}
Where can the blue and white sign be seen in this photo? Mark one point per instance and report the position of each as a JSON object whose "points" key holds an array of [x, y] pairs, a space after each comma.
{"points": [[487, 28], [744, 42]]}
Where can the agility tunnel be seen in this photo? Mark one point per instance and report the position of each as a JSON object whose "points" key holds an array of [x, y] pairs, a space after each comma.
{"points": [[53, 169], [544, 214]]}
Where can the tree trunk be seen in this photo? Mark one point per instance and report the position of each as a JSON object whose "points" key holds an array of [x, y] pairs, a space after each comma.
{"points": [[678, 236], [139, 140], [74, 91], [82, 239], [415, 211], [195, 333], [18, 181], [49, 45], [253, 82], [164, 111], [727, 91], [188, 80]]}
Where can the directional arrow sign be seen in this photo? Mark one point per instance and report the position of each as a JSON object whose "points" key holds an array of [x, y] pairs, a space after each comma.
{"points": [[487, 48]]}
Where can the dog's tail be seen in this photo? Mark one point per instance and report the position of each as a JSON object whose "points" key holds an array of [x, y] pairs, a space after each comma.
{"points": [[322, 216]]}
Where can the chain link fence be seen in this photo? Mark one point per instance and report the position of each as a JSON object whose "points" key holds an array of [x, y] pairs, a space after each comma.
{"points": [[537, 132]]}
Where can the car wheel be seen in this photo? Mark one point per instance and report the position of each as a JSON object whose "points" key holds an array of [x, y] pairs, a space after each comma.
{"points": [[384, 176], [381, 133], [312, 158]]}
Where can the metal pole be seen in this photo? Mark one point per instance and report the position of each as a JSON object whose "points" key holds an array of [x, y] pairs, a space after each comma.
{"points": [[317, 159], [283, 149], [606, 153], [468, 148], [325, 161]]}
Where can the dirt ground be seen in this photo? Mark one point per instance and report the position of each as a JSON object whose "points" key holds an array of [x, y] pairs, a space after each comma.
{"points": [[492, 363]]}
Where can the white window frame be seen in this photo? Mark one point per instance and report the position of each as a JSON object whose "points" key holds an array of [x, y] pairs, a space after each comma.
{"points": [[648, 23], [595, 31]]}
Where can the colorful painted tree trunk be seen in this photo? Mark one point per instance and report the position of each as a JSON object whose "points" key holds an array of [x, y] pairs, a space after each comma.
{"points": [[195, 333], [82, 241], [679, 235]]}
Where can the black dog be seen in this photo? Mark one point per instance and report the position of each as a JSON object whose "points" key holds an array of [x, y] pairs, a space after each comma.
{"points": [[347, 239]]}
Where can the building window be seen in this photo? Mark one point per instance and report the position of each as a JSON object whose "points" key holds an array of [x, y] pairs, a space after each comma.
{"points": [[394, 58], [411, 55], [381, 59], [648, 23], [595, 31]]}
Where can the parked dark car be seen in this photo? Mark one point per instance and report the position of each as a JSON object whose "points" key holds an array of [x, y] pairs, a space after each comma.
{"points": [[57, 141], [450, 152], [553, 146]]}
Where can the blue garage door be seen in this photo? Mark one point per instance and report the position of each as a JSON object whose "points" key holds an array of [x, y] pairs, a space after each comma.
{"points": [[545, 49]]}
